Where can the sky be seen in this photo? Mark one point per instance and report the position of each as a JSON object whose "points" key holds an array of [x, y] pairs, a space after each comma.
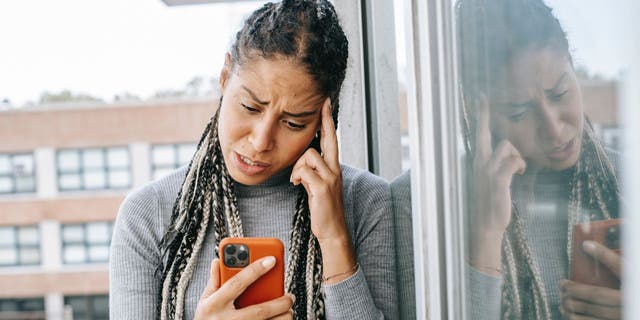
{"points": [[108, 47]]}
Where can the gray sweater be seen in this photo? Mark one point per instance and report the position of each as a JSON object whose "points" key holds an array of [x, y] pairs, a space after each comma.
{"points": [[266, 210]]}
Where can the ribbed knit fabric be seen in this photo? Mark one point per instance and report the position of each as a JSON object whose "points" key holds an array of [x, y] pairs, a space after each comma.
{"points": [[401, 195], [266, 210], [542, 200]]}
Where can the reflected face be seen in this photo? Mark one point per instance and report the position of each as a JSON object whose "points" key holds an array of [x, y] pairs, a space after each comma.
{"points": [[537, 105], [270, 114]]}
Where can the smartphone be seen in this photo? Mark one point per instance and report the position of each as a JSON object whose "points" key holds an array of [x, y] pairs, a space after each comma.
{"points": [[237, 253], [585, 269]]}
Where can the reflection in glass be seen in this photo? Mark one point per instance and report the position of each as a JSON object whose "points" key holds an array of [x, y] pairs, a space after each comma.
{"points": [[5, 165], [98, 232], [73, 233], [28, 235], [74, 254], [6, 185], [540, 180], [7, 236], [95, 180], [185, 153], [8, 257], [93, 158]]}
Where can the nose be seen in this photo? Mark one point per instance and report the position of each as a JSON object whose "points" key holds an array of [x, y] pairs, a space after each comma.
{"points": [[550, 127], [262, 135]]}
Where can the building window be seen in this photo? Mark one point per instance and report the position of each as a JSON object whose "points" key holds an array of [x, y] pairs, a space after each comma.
{"points": [[31, 308], [168, 157], [86, 242], [94, 169], [17, 174], [88, 307], [19, 246]]}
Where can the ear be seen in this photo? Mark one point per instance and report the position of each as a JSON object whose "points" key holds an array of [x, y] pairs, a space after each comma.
{"points": [[225, 73]]}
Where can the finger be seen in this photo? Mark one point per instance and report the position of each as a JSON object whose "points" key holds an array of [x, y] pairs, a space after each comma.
{"points": [[310, 179], [509, 167], [285, 316], [238, 283], [601, 253], [483, 132], [311, 158], [573, 316], [214, 279], [597, 295], [328, 138], [503, 151], [267, 310], [594, 310]]}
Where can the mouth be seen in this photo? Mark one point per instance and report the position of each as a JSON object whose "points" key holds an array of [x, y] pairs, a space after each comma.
{"points": [[249, 166], [562, 151]]}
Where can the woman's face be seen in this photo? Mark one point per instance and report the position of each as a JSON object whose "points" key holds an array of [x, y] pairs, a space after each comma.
{"points": [[270, 114], [537, 105]]}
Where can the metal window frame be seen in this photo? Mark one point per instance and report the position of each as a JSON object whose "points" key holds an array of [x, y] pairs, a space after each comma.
{"points": [[435, 168], [17, 246], [81, 171], [84, 242], [14, 177]]}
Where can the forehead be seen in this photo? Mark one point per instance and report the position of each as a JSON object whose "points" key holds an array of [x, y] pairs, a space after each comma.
{"points": [[276, 77], [530, 71]]}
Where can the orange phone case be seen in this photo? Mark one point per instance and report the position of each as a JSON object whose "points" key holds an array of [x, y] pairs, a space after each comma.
{"points": [[584, 268], [268, 287]]}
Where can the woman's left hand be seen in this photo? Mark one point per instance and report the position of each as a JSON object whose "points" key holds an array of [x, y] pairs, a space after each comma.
{"points": [[581, 301], [321, 177]]}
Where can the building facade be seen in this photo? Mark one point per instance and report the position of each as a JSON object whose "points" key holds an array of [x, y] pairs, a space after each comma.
{"points": [[64, 170]]}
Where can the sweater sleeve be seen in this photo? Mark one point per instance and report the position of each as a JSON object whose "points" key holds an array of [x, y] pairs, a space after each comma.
{"points": [[134, 289], [484, 295], [371, 292]]}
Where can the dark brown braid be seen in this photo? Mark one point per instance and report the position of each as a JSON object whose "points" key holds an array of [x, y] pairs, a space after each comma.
{"points": [[489, 34], [309, 32]]}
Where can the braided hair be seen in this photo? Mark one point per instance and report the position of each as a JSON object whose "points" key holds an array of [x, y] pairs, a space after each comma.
{"points": [[490, 33], [309, 32]]}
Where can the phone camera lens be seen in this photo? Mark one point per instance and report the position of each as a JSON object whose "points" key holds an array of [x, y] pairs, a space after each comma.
{"points": [[231, 261], [613, 238], [243, 255], [230, 249]]}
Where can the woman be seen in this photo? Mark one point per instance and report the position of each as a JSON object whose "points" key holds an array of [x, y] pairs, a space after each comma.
{"points": [[258, 172], [538, 168]]}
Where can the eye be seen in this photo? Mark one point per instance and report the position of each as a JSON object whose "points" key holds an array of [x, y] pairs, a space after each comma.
{"points": [[558, 96], [516, 117], [250, 109], [295, 126]]}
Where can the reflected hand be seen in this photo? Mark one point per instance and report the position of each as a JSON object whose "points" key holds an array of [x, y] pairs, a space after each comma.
{"points": [[493, 171], [216, 302], [581, 301]]}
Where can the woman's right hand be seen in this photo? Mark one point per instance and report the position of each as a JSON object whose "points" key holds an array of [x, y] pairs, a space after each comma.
{"points": [[216, 302], [493, 171]]}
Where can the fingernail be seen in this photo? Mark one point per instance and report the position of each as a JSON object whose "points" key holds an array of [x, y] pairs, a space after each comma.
{"points": [[589, 246], [293, 298], [268, 262]]}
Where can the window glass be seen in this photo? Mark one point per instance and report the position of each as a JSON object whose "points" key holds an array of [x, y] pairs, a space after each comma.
{"points": [[167, 157], [68, 160], [19, 245], [87, 242], [94, 169], [17, 173], [539, 113]]}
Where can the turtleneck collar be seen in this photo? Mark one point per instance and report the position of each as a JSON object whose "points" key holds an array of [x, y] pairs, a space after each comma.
{"points": [[280, 179]]}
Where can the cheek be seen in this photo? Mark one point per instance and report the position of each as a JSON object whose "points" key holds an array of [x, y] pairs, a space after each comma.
{"points": [[293, 145], [520, 134]]}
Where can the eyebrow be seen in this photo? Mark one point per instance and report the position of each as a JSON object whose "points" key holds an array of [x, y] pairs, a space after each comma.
{"points": [[301, 114], [254, 97], [555, 86]]}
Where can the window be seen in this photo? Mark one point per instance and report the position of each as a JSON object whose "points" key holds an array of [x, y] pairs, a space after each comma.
{"points": [[168, 157], [17, 173], [14, 309], [19, 246], [86, 243], [88, 307], [94, 169]]}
